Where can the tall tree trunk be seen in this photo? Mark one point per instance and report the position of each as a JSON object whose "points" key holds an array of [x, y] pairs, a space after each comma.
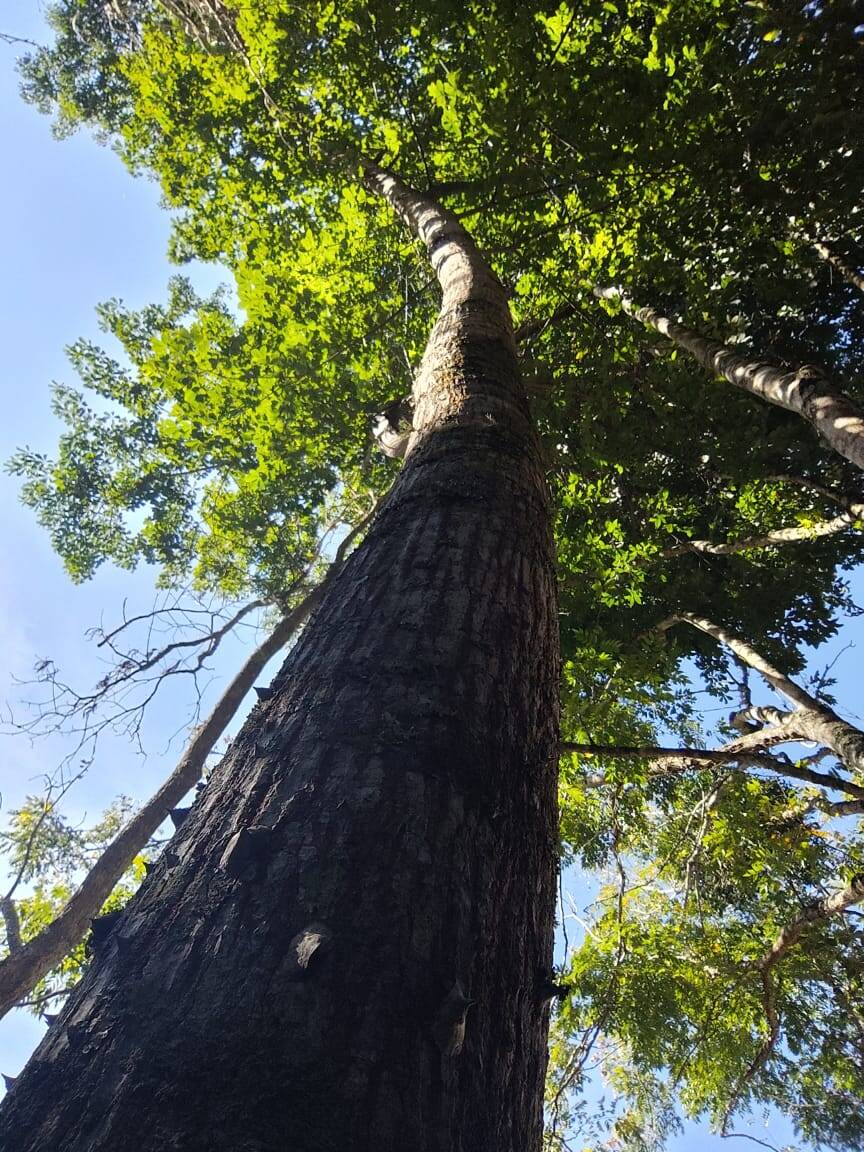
{"points": [[836, 419], [380, 840]]}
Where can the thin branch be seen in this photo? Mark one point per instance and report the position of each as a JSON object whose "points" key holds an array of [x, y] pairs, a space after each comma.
{"points": [[674, 761], [531, 328], [134, 667], [747, 1136], [8, 38], [51, 801], [778, 680]]}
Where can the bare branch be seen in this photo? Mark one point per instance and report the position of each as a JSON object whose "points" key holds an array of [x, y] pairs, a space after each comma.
{"points": [[134, 666], [119, 700], [8, 38], [752, 1139]]}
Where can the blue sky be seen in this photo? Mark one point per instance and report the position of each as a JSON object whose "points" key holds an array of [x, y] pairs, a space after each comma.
{"points": [[78, 230]]}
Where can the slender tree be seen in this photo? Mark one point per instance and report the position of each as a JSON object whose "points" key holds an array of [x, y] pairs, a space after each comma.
{"points": [[805, 391]]}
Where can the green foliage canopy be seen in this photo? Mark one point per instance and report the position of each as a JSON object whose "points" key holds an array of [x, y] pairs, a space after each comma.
{"points": [[691, 152]]}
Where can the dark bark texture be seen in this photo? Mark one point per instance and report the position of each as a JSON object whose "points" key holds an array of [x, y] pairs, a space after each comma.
{"points": [[28, 963], [383, 830]]}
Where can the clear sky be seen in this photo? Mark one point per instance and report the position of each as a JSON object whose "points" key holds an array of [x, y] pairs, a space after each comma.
{"points": [[78, 230]]}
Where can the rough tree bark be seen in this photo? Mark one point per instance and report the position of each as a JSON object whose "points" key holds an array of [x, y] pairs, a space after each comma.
{"points": [[836, 419], [28, 962], [382, 831]]}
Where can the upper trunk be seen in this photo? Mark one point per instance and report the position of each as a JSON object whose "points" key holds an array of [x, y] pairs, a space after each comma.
{"points": [[382, 830]]}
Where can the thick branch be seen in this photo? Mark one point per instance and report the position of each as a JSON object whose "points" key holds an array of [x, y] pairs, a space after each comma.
{"points": [[11, 923], [846, 271], [820, 910], [767, 540], [807, 392], [750, 656]]}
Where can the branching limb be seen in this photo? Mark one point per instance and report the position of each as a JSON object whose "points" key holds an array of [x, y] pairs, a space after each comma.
{"points": [[820, 910], [813, 720], [8, 38], [675, 761], [195, 629], [815, 913], [119, 700]]}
